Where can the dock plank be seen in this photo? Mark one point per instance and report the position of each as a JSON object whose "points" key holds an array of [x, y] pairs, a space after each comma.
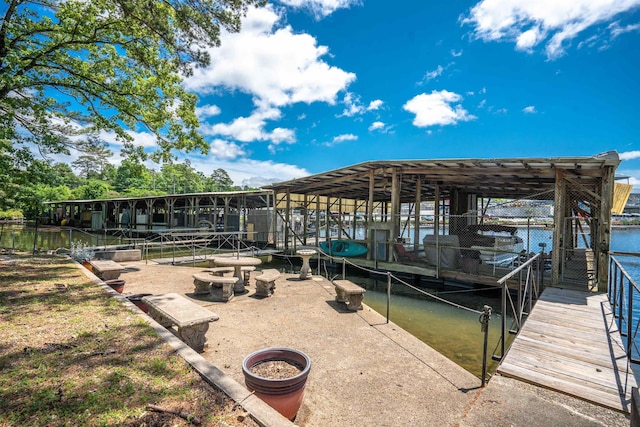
{"points": [[570, 343]]}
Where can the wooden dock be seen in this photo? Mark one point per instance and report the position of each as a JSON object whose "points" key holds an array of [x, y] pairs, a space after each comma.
{"points": [[570, 343]]}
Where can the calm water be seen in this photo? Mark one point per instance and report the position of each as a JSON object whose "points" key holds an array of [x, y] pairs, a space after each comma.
{"points": [[452, 331]]}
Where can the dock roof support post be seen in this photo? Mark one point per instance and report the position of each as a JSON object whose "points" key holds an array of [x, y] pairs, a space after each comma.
{"points": [[287, 219], [372, 183], [318, 222], [395, 208], [436, 223], [559, 209], [604, 227], [416, 221]]}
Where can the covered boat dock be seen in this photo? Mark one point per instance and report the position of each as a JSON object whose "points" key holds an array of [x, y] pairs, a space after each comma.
{"points": [[432, 207]]}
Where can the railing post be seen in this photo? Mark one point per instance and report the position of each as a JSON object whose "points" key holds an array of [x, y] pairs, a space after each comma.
{"points": [[629, 321], [388, 294], [344, 269], [505, 290], [485, 317]]}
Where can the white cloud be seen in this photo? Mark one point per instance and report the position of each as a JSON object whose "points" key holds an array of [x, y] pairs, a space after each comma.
{"points": [[430, 75], [321, 8], [376, 126], [630, 155], [375, 104], [244, 171], [531, 109], [437, 108], [456, 54], [617, 30], [221, 149], [276, 66], [207, 111], [354, 106], [252, 128], [345, 137], [529, 23]]}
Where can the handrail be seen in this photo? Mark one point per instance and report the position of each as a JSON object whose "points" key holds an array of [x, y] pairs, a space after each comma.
{"points": [[622, 304], [529, 287]]}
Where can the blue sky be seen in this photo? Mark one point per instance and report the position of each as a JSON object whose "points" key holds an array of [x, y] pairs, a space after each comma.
{"points": [[313, 85]]}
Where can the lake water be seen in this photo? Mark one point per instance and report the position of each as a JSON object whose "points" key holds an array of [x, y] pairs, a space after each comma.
{"points": [[452, 331]]}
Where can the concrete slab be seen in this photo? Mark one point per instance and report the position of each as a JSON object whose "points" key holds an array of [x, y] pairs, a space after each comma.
{"points": [[364, 371]]}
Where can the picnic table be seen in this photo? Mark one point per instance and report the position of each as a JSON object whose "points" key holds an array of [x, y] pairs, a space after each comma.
{"points": [[237, 263]]}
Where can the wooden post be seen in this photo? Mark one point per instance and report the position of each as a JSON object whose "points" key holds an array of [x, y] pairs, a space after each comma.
{"points": [[559, 210], [416, 221], [370, 242], [395, 209], [287, 219], [604, 228]]}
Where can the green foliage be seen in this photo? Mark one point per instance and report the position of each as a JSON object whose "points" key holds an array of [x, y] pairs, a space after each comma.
{"points": [[11, 213], [122, 60], [219, 181], [94, 189]]}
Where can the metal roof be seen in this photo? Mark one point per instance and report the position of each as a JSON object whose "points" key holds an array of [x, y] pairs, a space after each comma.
{"points": [[504, 178]]}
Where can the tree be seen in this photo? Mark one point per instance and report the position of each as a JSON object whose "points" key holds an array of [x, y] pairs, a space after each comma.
{"points": [[219, 181], [95, 161], [122, 60]]}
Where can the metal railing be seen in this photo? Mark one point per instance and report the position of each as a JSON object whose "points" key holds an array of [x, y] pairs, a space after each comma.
{"points": [[198, 243], [622, 291], [529, 286]]}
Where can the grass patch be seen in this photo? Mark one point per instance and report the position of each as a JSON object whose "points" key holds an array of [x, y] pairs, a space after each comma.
{"points": [[72, 355]]}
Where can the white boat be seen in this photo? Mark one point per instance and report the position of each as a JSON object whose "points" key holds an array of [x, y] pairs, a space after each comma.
{"points": [[498, 245]]}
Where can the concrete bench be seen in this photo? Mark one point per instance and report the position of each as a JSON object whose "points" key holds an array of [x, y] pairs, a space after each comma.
{"points": [[220, 287], [191, 319], [219, 271], [106, 269], [246, 273], [349, 292], [266, 282]]}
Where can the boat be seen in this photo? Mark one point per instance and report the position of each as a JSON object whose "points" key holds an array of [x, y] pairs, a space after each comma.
{"points": [[498, 245], [343, 248]]}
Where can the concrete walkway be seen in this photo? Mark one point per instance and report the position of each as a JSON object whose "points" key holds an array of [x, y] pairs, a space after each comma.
{"points": [[364, 372]]}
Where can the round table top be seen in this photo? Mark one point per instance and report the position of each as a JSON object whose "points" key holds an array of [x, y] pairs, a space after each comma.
{"points": [[306, 252], [235, 261]]}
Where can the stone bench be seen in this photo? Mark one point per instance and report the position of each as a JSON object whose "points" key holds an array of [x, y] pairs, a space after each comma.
{"points": [[219, 287], [106, 269], [246, 273], [219, 271], [191, 319], [349, 292], [266, 282]]}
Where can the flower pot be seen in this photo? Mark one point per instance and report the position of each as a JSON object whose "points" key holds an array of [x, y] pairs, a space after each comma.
{"points": [[116, 284], [282, 394], [137, 300]]}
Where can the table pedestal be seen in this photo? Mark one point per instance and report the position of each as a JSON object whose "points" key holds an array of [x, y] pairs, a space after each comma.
{"points": [[305, 254]]}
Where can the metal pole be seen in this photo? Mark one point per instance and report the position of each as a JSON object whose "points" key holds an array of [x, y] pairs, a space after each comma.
{"points": [[629, 321], [504, 318], [344, 269], [485, 317], [388, 294], [35, 237]]}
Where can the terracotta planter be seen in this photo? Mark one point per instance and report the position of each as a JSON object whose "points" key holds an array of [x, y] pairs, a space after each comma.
{"points": [[116, 284], [284, 395], [137, 300]]}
